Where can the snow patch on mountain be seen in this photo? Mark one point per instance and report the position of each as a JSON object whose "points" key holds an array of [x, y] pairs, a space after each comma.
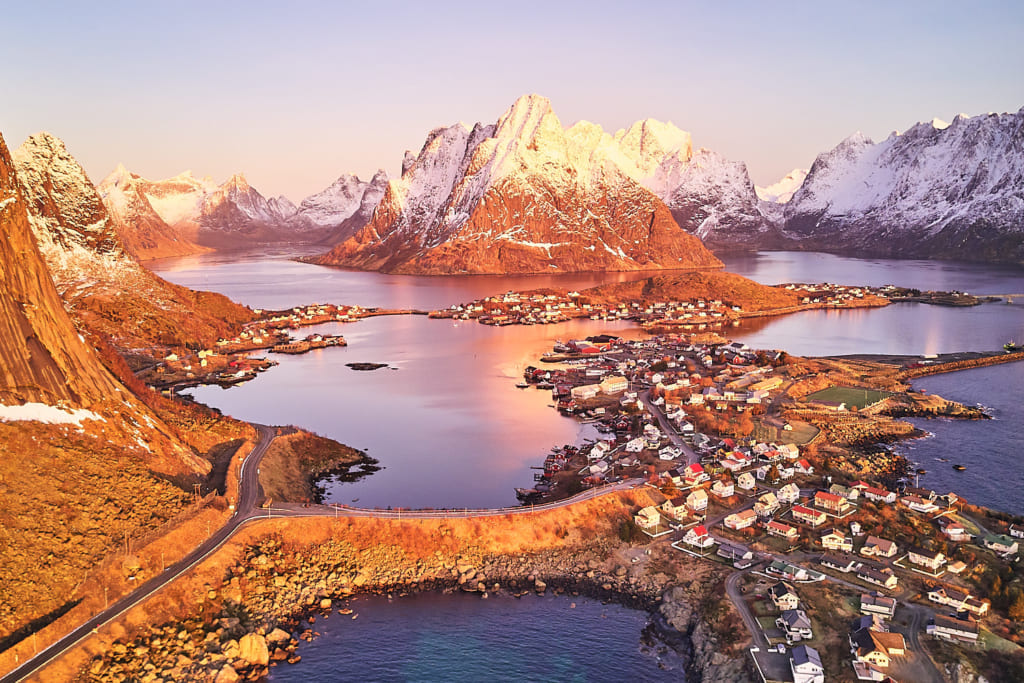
{"points": [[934, 191], [781, 192]]}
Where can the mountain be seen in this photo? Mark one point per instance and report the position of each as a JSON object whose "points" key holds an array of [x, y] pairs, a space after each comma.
{"points": [[782, 191], [941, 191], [99, 282], [345, 206], [145, 232], [708, 195], [522, 195]]}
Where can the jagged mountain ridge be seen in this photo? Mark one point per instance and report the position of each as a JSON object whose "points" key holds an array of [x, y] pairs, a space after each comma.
{"points": [[942, 191], [186, 214], [102, 286], [523, 195], [45, 361], [781, 191]]}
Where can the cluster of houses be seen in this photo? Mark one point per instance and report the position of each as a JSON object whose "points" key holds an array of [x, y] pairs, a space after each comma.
{"points": [[521, 308], [313, 314]]}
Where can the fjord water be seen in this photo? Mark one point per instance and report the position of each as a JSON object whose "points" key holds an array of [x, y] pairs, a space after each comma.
{"points": [[451, 429], [460, 638]]}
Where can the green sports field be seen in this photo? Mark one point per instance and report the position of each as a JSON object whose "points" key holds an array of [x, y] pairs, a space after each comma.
{"points": [[851, 396]]}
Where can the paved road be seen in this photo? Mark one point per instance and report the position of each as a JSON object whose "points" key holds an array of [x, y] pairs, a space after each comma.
{"points": [[669, 429], [248, 496], [733, 591], [246, 511]]}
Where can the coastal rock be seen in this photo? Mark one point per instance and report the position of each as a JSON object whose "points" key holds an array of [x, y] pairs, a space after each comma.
{"points": [[278, 636], [227, 674], [253, 649]]}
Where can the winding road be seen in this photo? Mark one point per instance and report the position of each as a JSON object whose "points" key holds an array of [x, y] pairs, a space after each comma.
{"points": [[245, 511]]}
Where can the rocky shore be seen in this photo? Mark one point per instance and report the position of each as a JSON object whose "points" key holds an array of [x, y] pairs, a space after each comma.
{"points": [[275, 591]]}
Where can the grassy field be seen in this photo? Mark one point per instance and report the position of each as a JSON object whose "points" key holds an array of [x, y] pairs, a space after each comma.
{"points": [[853, 397], [991, 641], [801, 434]]}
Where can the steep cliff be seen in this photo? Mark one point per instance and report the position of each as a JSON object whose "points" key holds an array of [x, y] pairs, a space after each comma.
{"points": [[519, 196], [102, 286]]}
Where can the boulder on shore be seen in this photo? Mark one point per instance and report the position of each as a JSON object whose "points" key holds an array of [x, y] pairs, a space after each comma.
{"points": [[253, 649]]}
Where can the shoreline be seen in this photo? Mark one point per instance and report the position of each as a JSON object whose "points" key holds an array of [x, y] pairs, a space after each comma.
{"points": [[252, 602]]}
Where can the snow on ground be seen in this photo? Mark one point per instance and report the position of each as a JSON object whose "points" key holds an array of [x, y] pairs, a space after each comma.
{"points": [[40, 412]]}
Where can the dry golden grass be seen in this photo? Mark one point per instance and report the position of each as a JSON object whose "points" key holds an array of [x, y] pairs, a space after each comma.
{"points": [[574, 526]]}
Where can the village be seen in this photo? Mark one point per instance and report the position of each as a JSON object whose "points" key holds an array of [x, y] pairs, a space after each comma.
{"points": [[702, 313], [229, 361], [709, 429]]}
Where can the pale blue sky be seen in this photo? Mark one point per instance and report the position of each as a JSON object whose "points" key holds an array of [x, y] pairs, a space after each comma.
{"points": [[295, 95]]}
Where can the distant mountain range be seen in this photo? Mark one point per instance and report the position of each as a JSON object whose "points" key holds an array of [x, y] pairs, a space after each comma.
{"points": [[185, 214], [526, 195]]}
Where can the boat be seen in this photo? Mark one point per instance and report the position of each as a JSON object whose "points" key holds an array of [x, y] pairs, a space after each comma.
{"points": [[1010, 347], [959, 468], [921, 470], [522, 385]]}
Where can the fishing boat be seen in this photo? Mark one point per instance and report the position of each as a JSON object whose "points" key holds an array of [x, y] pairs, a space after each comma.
{"points": [[522, 385], [959, 468], [1010, 346]]}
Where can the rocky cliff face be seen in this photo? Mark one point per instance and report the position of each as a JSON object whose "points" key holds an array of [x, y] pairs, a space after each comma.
{"points": [[131, 202], [42, 357], [103, 287], [520, 196], [344, 207], [936, 191]]}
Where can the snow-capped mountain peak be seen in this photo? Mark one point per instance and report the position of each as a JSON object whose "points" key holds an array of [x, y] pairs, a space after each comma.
{"points": [[782, 190]]}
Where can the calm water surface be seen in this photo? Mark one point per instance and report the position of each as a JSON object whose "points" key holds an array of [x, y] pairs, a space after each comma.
{"points": [[451, 429], [458, 638], [991, 450], [447, 423]]}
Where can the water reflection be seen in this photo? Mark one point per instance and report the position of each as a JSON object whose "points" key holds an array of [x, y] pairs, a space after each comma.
{"points": [[448, 425], [776, 267]]}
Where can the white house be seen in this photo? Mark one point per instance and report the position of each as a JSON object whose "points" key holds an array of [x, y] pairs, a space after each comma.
{"points": [[740, 520], [788, 494], [698, 537], [697, 500], [805, 665], [648, 517], [746, 481], [723, 488]]}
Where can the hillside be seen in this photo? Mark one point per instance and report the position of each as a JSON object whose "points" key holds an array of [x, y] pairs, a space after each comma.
{"points": [[731, 289], [86, 461], [101, 284]]}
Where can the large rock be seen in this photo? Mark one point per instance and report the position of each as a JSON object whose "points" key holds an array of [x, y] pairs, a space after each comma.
{"points": [[227, 675], [253, 649]]}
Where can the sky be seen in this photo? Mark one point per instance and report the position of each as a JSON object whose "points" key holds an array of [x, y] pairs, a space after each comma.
{"points": [[294, 95]]}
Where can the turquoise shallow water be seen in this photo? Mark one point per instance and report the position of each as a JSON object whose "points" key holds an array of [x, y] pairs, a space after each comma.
{"points": [[458, 638]]}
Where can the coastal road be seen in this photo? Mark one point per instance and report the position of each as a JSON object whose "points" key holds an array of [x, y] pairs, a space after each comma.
{"points": [[244, 511], [733, 591]]}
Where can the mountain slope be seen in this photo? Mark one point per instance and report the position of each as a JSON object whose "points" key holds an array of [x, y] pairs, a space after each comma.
{"points": [[935, 191], [145, 232], [345, 206], [519, 196], [99, 282]]}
